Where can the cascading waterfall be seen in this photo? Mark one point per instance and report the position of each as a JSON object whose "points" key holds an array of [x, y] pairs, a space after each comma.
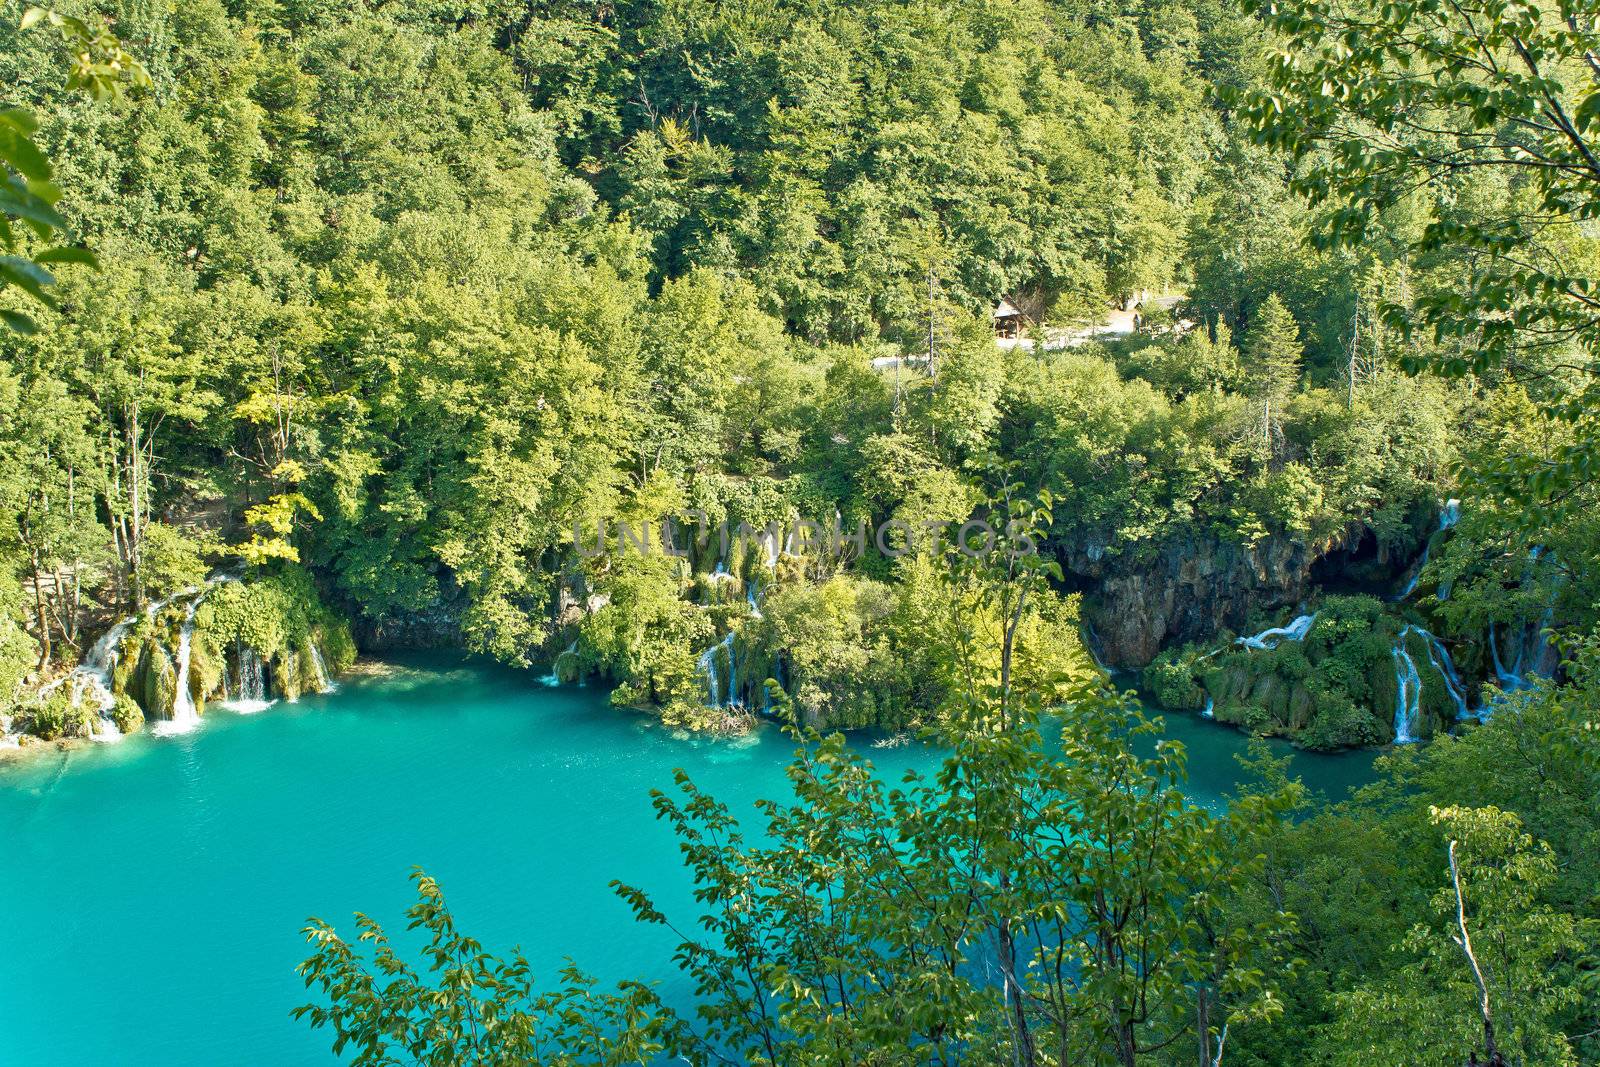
{"points": [[708, 666], [1515, 677], [93, 675], [716, 696], [1268, 639], [752, 596], [1416, 576], [553, 679], [184, 715], [319, 667], [1449, 515], [1439, 657], [1210, 710], [252, 696], [1408, 694]]}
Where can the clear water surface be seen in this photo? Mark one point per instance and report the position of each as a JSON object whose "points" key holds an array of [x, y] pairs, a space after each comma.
{"points": [[153, 891]]}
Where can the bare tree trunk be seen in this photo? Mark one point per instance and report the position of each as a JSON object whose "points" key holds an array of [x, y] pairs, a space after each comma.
{"points": [[135, 488], [1026, 1054], [39, 609], [1464, 939]]}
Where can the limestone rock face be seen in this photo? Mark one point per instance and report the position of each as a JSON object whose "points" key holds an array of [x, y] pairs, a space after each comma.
{"points": [[1193, 587], [436, 626]]}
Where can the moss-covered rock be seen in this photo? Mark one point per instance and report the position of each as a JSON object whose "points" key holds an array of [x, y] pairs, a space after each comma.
{"points": [[1336, 688], [127, 714], [154, 681], [286, 677], [57, 718]]}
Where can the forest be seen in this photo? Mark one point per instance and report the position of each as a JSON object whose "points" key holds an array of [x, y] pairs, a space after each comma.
{"points": [[336, 327]]}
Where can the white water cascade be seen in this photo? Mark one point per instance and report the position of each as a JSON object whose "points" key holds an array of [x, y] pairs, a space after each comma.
{"points": [[1267, 639], [716, 696], [1530, 639], [1408, 694], [1210, 710], [1449, 515], [93, 675], [1439, 657], [185, 717], [319, 667], [553, 679], [252, 694]]}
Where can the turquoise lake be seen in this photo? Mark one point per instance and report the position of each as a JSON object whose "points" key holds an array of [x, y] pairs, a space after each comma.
{"points": [[155, 890]]}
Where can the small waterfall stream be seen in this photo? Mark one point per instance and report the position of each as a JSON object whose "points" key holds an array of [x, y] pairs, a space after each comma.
{"points": [[1268, 639], [92, 677], [1408, 683], [1449, 515], [718, 696], [319, 668], [1408, 694], [185, 717], [252, 695], [1532, 644], [553, 679]]}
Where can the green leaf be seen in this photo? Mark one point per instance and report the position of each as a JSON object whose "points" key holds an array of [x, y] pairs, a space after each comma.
{"points": [[18, 322], [23, 156], [31, 209], [67, 254]]}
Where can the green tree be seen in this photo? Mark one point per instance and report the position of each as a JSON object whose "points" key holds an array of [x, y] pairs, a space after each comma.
{"points": [[1479, 976], [1485, 114], [1272, 355]]}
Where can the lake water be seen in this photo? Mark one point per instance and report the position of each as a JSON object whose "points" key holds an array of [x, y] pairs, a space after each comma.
{"points": [[153, 891]]}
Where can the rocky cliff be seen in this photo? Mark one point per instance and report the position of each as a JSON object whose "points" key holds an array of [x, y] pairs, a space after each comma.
{"points": [[1193, 587]]}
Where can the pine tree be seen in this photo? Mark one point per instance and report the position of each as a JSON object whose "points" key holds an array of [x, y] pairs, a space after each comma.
{"points": [[1272, 365]]}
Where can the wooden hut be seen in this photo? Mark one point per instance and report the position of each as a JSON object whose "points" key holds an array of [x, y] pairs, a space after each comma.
{"points": [[1007, 320]]}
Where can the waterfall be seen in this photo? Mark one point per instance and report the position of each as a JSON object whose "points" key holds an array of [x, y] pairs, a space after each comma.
{"points": [[184, 715], [1515, 677], [708, 665], [752, 596], [319, 667], [1408, 694], [1439, 657], [1449, 515], [1416, 575], [714, 689], [1267, 639], [1210, 710], [553, 679], [252, 695], [92, 676]]}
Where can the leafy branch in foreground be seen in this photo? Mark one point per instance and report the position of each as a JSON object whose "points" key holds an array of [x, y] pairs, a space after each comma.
{"points": [[1485, 116], [472, 1007]]}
